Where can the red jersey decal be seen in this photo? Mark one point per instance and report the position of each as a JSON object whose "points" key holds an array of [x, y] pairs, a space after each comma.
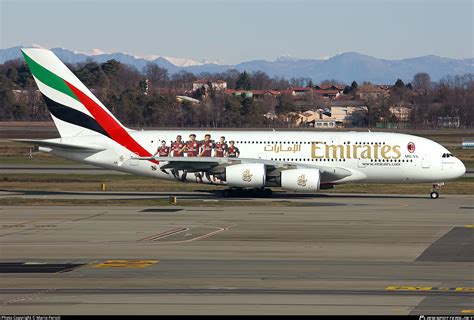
{"points": [[207, 148], [192, 148], [163, 151], [176, 147], [220, 149], [232, 151]]}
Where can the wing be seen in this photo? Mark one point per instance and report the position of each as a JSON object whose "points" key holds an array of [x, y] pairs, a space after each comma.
{"points": [[215, 165], [60, 145]]}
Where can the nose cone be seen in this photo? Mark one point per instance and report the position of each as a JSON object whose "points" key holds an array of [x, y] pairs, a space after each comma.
{"points": [[459, 169]]}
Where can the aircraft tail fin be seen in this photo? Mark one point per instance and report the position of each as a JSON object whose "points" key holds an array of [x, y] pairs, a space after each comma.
{"points": [[73, 107]]}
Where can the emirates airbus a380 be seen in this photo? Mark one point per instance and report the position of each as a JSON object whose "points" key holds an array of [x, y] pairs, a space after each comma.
{"points": [[257, 160]]}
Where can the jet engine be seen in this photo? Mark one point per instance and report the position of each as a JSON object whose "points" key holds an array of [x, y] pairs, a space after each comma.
{"points": [[302, 180], [246, 175]]}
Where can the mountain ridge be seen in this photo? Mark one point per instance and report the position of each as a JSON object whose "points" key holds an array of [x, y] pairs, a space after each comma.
{"points": [[345, 67]]}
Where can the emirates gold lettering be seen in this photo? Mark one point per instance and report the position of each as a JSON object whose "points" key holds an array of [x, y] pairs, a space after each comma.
{"points": [[366, 153], [354, 151], [376, 151], [385, 150], [339, 151], [396, 149], [335, 149], [314, 150]]}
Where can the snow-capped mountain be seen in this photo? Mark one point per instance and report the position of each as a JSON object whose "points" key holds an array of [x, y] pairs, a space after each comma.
{"points": [[183, 62], [344, 67]]}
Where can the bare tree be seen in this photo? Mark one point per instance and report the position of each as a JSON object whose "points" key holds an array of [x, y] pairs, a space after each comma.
{"points": [[421, 82], [157, 76]]}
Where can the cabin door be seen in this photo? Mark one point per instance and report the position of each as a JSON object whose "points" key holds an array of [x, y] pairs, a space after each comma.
{"points": [[425, 161]]}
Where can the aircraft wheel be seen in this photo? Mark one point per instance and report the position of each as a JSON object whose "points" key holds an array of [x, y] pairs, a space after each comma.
{"points": [[434, 195]]}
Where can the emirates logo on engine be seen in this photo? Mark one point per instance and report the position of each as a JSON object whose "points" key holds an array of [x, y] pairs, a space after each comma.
{"points": [[247, 176], [302, 181]]}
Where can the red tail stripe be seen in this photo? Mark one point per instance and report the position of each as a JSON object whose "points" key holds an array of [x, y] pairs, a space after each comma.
{"points": [[110, 125]]}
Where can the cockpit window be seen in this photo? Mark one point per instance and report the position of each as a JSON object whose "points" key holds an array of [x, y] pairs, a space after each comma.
{"points": [[447, 155]]}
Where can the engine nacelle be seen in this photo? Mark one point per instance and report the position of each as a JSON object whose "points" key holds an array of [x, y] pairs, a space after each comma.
{"points": [[246, 175], [302, 180]]}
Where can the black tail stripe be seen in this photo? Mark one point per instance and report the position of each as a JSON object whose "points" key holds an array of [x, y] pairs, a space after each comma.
{"points": [[73, 116]]}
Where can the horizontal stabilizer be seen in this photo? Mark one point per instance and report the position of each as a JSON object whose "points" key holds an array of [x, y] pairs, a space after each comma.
{"points": [[60, 145]]}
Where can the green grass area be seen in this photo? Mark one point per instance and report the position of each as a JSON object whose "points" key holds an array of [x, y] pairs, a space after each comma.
{"points": [[465, 155], [87, 182], [5, 143], [469, 165], [42, 160]]}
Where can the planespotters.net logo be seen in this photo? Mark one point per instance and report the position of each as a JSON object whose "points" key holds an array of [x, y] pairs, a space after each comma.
{"points": [[422, 317], [33, 317]]}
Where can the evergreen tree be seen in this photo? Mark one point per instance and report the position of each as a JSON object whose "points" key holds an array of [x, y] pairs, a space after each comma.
{"points": [[111, 67], [92, 75], [247, 107], [399, 83], [354, 85], [285, 105], [243, 83], [232, 116]]}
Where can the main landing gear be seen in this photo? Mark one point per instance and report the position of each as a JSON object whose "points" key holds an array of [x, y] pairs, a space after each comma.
{"points": [[434, 194], [251, 193]]}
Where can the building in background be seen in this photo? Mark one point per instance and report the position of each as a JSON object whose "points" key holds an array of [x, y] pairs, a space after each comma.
{"points": [[216, 84]]}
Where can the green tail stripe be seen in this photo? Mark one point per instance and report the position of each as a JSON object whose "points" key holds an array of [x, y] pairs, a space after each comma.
{"points": [[48, 78]]}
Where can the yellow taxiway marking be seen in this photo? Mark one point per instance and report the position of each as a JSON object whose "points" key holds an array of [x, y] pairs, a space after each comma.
{"points": [[467, 311], [126, 263], [410, 288], [469, 226]]}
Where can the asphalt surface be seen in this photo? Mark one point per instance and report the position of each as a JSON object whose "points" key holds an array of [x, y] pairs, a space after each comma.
{"points": [[331, 254]]}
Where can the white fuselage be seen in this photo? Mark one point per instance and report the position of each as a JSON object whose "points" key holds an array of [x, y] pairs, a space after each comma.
{"points": [[372, 157]]}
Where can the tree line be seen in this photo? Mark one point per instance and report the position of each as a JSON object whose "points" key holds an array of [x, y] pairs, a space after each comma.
{"points": [[147, 98]]}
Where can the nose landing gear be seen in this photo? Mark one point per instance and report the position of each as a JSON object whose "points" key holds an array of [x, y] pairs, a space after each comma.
{"points": [[434, 194]]}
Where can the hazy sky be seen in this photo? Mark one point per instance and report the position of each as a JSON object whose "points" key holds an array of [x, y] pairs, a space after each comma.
{"points": [[235, 31]]}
